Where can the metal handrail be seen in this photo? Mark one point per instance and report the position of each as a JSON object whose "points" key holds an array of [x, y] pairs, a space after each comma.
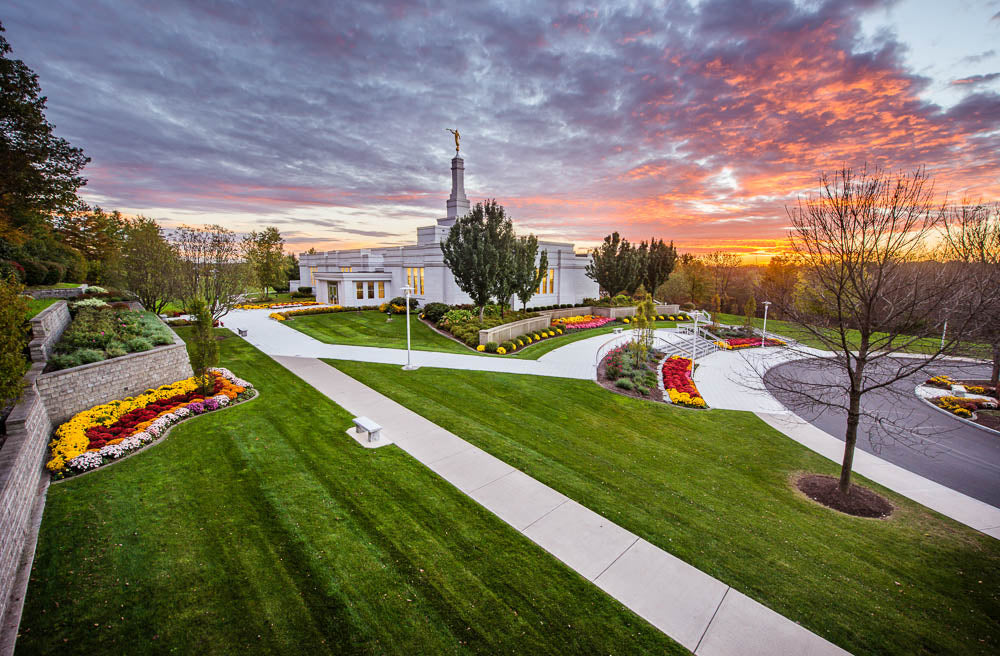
{"points": [[602, 351]]}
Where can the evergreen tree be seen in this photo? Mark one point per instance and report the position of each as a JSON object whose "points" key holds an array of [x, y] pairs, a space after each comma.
{"points": [[616, 265], [204, 348], [39, 172], [659, 260], [478, 250]]}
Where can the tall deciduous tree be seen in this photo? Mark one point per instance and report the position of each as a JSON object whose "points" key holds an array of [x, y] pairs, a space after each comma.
{"points": [[780, 277], [204, 348], [527, 273], [659, 260], [213, 268], [868, 290], [149, 264], [722, 266], [972, 236], [616, 265], [13, 339], [99, 236], [264, 251], [478, 251], [39, 172]]}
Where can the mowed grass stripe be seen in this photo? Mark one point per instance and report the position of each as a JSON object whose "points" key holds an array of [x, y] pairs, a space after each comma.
{"points": [[264, 528], [713, 487]]}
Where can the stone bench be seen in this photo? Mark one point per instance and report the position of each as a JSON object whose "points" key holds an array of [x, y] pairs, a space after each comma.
{"points": [[364, 424], [241, 332]]}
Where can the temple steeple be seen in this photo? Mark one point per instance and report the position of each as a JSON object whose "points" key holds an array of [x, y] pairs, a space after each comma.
{"points": [[458, 204]]}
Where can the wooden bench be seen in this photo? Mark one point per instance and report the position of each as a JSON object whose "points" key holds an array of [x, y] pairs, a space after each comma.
{"points": [[364, 424]]}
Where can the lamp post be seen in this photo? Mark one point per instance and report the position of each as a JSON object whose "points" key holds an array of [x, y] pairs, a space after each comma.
{"points": [[763, 332], [943, 333], [409, 366], [694, 339]]}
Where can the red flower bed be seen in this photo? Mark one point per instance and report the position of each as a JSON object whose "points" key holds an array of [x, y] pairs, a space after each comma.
{"points": [[734, 343], [677, 376], [99, 435]]}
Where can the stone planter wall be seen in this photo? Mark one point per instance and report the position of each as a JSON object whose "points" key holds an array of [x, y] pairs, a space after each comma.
{"points": [[614, 312], [21, 470], [69, 391], [509, 331], [662, 308], [46, 328], [65, 292]]}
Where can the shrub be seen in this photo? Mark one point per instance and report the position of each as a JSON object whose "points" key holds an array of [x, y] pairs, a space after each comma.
{"points": [[508, 345], [491, 347], [687, 307], [401, 301], [520, 341], [10, 268], [116, 349], [305, 290], [95, 289], [434, 311], [65, 360], [625, 383], [137, 344], [86, 356], [55, 272], [622, 300], [34, 272]]}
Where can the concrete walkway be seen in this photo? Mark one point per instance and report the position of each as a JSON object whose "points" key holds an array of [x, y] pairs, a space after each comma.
{"points": [[701, 613], [574, 360], [731, 380]]}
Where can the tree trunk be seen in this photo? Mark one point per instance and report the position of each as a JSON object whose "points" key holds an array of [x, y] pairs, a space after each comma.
{"points": [[482, 312], [995, 376], [850, 439]]}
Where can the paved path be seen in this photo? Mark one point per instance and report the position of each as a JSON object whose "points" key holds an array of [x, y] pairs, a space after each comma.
{"points": [[732, 380], [575, 360], [701, 613]]}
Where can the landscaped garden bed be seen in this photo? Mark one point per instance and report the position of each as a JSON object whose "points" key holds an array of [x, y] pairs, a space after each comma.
{"points": [[631, 371], [271, 306], [677, 382], [109, 431], [737, 343], [100, 331], [981, 407]]}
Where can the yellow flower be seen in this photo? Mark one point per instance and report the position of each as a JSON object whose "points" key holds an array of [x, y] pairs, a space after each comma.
{"points": [[481, 348], [625, 320], [501, 350]]}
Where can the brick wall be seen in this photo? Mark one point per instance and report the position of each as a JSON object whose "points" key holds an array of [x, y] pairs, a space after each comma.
{"points": [[70, 391], [21, 468], [46, 328]]}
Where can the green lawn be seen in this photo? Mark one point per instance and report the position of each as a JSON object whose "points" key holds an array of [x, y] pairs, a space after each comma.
{"points": [[370, 328], [924, 345], [712, 487], [58, 285], [265, 529], [36, 305]]}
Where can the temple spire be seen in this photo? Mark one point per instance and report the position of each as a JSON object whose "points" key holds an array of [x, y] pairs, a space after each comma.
{"points": [[458, 204]]}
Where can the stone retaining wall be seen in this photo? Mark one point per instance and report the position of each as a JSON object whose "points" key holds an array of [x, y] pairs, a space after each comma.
{"points": [[46, 328], [62, 292], [662, 308], [514, 329], [21, 469], [69, 391], [614, 312]]}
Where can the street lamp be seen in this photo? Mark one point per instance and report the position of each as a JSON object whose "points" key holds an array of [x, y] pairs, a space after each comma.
{"points": [[694, 339], [943, 333], [763, 332], [409, 366]]}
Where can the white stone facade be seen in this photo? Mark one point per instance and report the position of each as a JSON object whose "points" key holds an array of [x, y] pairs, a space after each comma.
{"points": [[372, 276]]}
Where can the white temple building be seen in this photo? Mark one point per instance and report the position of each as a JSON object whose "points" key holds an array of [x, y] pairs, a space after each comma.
{"points": [[372, 276]]}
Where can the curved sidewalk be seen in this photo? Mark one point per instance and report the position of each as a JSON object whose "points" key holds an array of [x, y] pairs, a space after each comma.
{"points": [[731, 380]]}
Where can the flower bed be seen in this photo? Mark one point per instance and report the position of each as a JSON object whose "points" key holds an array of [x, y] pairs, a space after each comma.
{"points": [[736, 343], [581, 322], [677, 381], [331, 309], [109, 431], [631, 372], [510, 346], [271, 306], [964, 407]]}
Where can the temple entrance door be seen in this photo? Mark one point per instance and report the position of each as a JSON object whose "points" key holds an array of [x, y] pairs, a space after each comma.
{"points": [[332, 293]]}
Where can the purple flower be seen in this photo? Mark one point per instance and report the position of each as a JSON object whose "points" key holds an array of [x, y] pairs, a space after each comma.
{"points": [[211, 404], [197, 407]]}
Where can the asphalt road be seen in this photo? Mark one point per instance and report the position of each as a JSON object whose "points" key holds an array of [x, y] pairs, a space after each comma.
{"points": [[906, 431]]}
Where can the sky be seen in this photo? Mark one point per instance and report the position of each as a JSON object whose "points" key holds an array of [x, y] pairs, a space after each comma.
{"points": [[699, 122]]}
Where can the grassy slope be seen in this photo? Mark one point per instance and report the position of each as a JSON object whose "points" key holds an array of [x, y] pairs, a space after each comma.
{"points": [[371, 329], [265, 529], [713, 488], [36, 305]]}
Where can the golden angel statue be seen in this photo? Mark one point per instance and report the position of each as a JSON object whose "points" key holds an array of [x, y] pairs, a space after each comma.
{"points": [[457, 136]]}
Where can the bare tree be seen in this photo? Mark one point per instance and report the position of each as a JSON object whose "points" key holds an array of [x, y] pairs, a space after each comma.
{"points": [[722, 267], [869, 291], [212, 267], [972, 236]]}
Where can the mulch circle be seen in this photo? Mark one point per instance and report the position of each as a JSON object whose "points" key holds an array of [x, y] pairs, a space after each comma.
{"points": [[859, 502]]}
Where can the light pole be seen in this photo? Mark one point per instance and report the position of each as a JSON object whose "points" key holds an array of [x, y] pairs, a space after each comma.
{"points": [[943, 333], [409, 366], [763, 332], [694, 339]]}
